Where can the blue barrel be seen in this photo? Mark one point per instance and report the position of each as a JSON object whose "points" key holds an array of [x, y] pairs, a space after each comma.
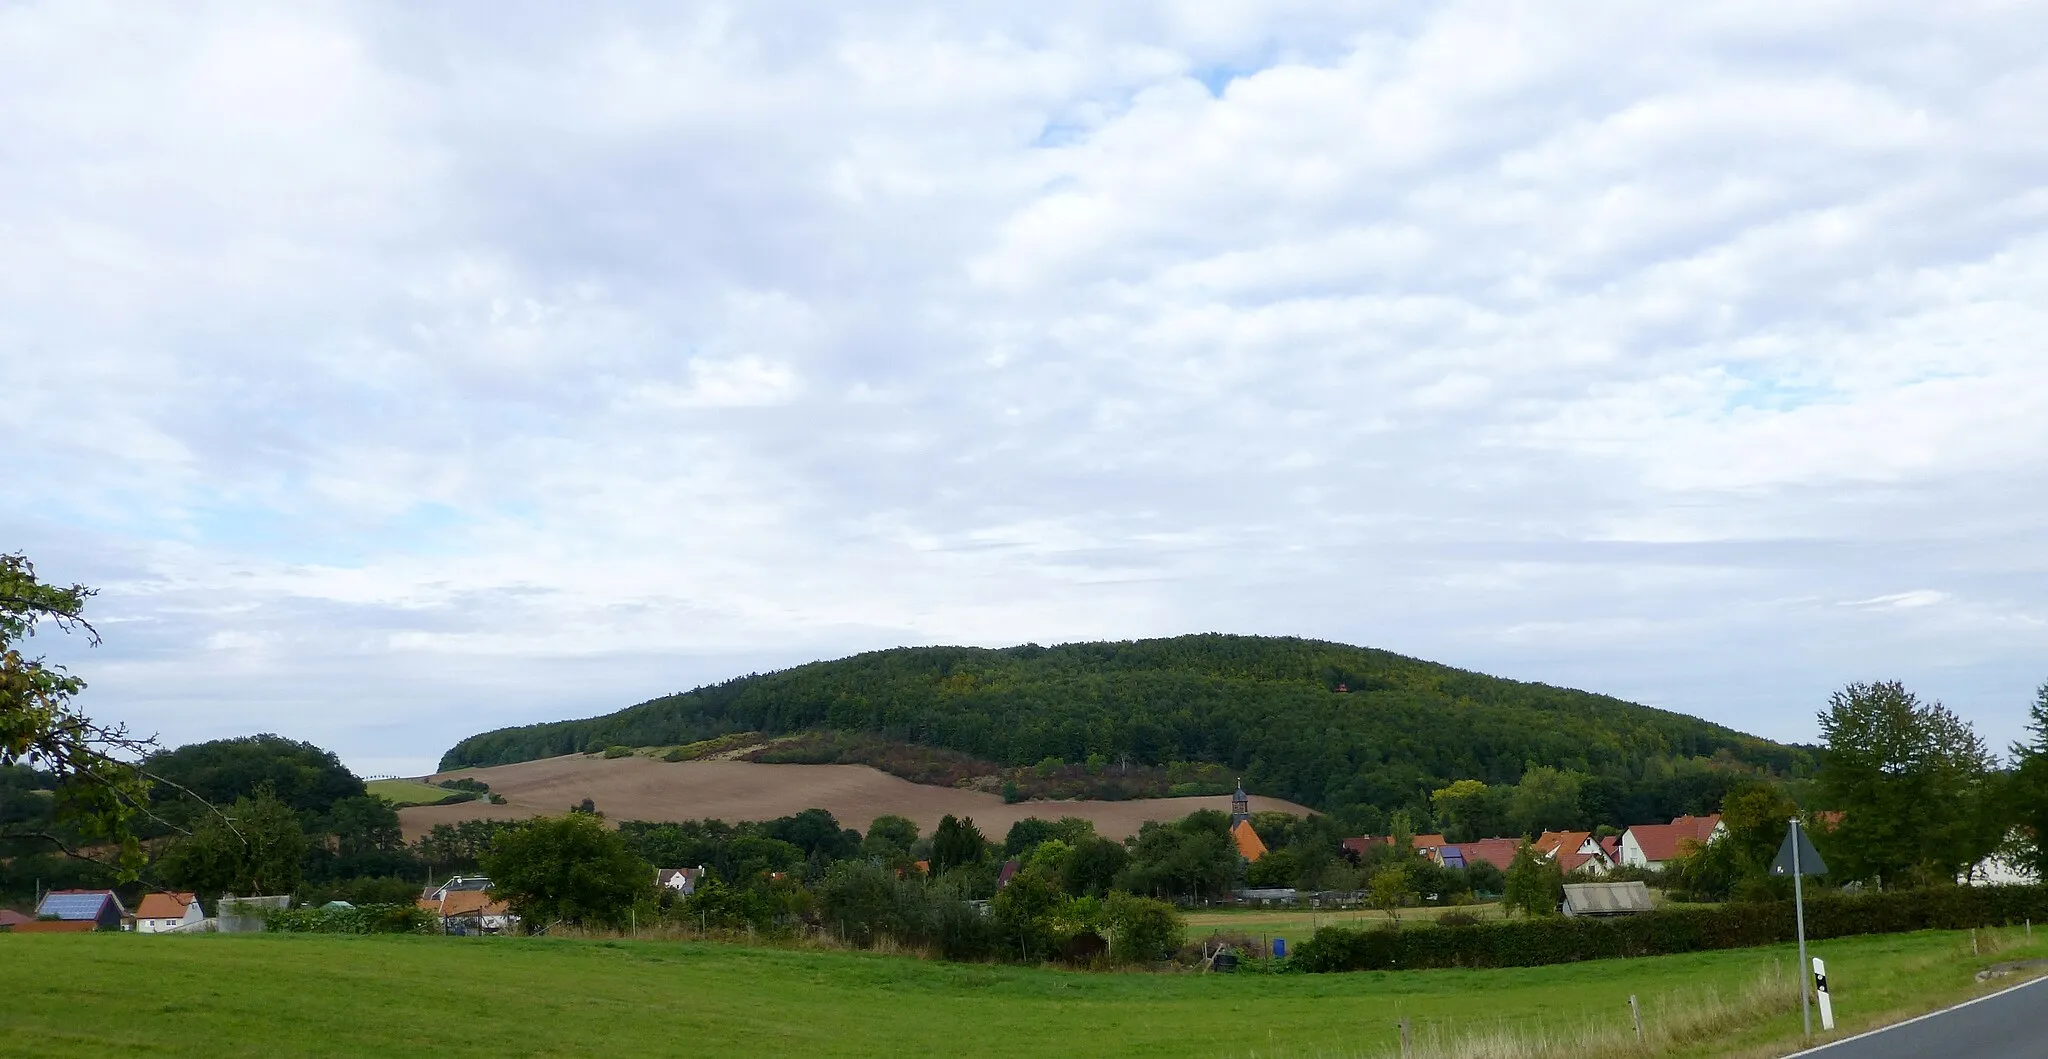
{"points": [[1279, 948]]}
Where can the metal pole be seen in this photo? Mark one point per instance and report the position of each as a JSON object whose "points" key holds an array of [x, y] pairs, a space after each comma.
{"points": [[1799, 912]]}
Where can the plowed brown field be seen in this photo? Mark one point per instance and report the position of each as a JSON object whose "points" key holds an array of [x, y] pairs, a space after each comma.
{"points": [[640, 788]]}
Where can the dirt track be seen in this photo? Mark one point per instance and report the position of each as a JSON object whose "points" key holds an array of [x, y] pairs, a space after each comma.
{"points": [[639, 788]]}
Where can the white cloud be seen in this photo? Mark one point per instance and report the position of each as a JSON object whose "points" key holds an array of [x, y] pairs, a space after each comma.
{"points": [[438, 374]]}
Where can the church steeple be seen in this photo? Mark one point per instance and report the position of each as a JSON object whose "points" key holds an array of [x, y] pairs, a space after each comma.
{"points": [[1240, 805]]}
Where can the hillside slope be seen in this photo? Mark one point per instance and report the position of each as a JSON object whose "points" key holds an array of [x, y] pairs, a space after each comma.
{"points": [[1269, 707]]}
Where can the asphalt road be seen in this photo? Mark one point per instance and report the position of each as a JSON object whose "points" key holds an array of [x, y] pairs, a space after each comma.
{"points": [[2008, 1025]]}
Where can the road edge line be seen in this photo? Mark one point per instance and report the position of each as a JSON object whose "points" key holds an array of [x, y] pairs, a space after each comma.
{"points": [[1921, 1018]]}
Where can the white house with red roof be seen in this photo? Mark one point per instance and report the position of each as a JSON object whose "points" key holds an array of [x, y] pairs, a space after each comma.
{"points": [[1654, 846], [1574, 851], [162, 912]]}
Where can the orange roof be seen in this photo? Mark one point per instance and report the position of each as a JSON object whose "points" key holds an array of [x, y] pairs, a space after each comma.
{"points": [[1248, 844], [164, 906], [466, 903], [1563, 847]]}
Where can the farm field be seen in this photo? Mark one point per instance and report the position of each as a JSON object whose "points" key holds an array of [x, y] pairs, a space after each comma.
{"points": [[291, 995], [643, 788], [407, 792]]}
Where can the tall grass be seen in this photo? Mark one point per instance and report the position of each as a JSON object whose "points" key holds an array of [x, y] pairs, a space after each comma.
{"points": [[1671, 1021]]}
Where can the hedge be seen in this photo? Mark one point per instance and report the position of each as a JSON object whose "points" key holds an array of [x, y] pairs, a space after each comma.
{"points": [[361, 919], [1557, 939]]}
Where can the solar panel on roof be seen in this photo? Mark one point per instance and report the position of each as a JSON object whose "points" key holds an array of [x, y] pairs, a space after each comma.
{"points": [[72, 906]]}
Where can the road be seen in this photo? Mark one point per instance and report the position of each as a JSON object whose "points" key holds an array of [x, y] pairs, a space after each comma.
{"points": [[2007, 1025]]}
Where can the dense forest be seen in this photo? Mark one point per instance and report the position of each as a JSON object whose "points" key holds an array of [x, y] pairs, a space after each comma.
{"points": [[1325, 724]]}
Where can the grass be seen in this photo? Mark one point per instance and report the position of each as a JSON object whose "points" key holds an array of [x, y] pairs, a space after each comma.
{"points": [[1296, 924], [408, 792], [282, 995]]}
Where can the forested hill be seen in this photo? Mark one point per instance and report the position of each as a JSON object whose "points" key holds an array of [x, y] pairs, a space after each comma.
{"points": [[1270, 707]]}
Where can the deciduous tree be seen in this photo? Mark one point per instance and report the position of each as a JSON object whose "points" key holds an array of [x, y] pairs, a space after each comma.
{"points": [[569, 869], [99, 788], [1911, 780]]}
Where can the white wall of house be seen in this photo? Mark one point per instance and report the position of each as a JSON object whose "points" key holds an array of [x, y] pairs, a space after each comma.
{"points": [[193, 914], [1632, 853]]}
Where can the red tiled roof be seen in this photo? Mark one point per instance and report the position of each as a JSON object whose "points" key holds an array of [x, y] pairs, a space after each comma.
{"points": [[164, 906], [1499, 852], [1663, 842], [1249, 846], [1421, 842], [465, 903]]}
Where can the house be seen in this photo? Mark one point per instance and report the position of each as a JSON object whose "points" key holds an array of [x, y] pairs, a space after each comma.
{"points": [[1574, 851], [1606, 899], [98, 907], [470, 912], [1499, 852], [681, 880], [1611, 845], [9, 919], [160, 912], [2001, 869], [1654, 846], [1007, 872]]}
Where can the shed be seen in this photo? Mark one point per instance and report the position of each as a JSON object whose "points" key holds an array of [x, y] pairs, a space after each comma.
{"points": [[245, 915], [1606, 899], [10, 918], [98, 907]]}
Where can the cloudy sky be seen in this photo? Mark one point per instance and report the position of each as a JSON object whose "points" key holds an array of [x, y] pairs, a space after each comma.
{"points": [[401, 371]]}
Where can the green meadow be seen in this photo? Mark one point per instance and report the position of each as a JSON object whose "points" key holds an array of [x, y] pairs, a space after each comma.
{"points": [[310, 995], [408, 792]]}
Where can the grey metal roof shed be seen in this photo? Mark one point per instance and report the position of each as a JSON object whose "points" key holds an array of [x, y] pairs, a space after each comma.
{"points": [[1606, 899]]}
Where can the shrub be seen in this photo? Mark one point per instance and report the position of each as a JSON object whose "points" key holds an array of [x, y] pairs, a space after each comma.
{"points": [[1457, 919], [361, 919], [675, 754], [1538, 941], [617, 751], [1141, 930]]}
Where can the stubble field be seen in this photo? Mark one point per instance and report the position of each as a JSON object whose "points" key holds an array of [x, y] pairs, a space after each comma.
{"points": [[643, 788]]}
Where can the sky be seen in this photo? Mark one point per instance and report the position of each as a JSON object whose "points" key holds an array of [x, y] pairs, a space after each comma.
{"points": [[400, 371]]}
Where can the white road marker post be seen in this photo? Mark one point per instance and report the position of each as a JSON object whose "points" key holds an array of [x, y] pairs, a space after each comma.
{"points": [[1820, 989], [1405, 1053], [1635, 1012]]}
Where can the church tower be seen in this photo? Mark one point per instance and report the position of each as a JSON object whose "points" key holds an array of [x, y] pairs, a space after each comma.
{"points": [[1240, 805]]}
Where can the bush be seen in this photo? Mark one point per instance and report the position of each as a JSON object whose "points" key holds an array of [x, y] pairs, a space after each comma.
{"points": [[361, 919], [1457, 919], [675, 754], [1141, 929], [1535, 942], [617, 752]]}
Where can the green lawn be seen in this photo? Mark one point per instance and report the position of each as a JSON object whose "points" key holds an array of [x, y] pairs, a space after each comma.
{"points": [[285, 995], [408, 792]]}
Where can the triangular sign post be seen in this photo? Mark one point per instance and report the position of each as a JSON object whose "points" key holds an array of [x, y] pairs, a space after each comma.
{"points": [[1797, 858], [1797, 855]]}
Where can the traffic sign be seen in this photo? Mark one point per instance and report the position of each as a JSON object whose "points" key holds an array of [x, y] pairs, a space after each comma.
{"points": [[1807, 857]]}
